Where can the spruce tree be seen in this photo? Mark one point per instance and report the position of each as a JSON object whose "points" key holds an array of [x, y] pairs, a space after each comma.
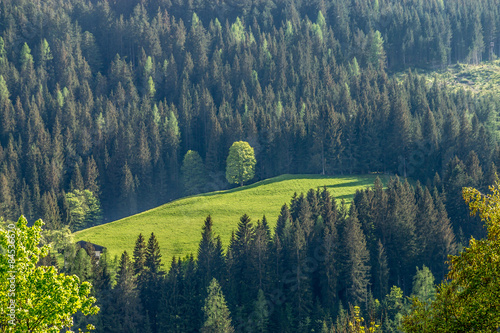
{"points": [[423, 285], [210, 256], [82, 266], [217, 316], [125, 312], [355, 262], [242, 271], [260, 313], [150, 281], [139, 255], [260, 256], [380, 273]]}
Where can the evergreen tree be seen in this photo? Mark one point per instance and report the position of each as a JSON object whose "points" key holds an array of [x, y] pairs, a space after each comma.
{"points": [[355, 263], [81, 265], [139, 255], [260, 256], [423, 285], [150, 281], [260, 313], [242, 272], [217, 316], [125, 312], [380, 272], [210, 256]]}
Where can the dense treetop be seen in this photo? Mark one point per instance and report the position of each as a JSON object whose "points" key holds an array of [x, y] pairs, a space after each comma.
{"points": [[108, 96]]}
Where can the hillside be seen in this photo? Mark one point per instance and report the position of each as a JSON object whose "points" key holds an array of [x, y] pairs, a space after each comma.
{"points": [[479, 79], [178, 224]]}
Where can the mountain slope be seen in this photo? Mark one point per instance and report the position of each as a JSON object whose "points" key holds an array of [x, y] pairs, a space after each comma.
{"points": [[177, 224]]}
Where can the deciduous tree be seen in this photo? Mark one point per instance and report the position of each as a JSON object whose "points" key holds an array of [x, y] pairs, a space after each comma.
{"points": [[36, 298], [240, 163]]}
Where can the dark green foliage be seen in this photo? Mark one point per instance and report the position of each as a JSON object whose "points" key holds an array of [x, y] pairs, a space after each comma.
{"points": [[242, 271], [193, 173], [137, 86], [211, 261], [124, 313], [150, 281], [139, 255], [355, 261]]}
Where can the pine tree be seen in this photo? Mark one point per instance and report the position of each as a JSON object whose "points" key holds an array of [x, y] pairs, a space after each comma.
{"points": [[329, 248], [150, 280], [242, 271], [380, 272], [423, 285], [92, 177], [210, 256], [217, 316], [128, 191], [81, 265], [129, 311], [474, 169], [260, 256], [139, 255], [355, 263], [260, 313], [50, 211]]}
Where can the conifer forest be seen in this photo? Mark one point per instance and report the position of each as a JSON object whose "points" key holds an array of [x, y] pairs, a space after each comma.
{"points": [[109, 108]]}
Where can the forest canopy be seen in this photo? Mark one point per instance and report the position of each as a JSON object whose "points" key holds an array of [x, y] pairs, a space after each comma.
{"points": [[109, 96], [112, 107]]}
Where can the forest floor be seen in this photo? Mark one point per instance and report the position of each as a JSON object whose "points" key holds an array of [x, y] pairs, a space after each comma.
{"points": [[177, 224]]}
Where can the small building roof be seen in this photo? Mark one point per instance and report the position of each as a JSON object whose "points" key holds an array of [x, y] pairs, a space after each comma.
{"points": [[83, 245]]}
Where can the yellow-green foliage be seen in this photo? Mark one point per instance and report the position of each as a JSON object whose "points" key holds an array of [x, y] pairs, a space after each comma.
{"points": [[470, 301], [358, 324], [177, 224], [36, 299], [240, 163], [238, 30], [478, 79]]}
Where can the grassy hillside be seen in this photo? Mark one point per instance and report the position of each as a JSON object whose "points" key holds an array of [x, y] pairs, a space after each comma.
{"points": [[480, 79], [178, 224]]}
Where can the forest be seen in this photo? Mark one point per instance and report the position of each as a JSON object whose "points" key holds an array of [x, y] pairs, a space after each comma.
{"points": [[321, 258], [102, 101]]}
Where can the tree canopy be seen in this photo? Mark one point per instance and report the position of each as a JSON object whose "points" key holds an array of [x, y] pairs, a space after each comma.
{"points": [[36, 298], [470, 300], [240, 163]]}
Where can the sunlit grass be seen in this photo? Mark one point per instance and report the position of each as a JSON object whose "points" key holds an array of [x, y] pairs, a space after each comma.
{"points": [[177, 224]]}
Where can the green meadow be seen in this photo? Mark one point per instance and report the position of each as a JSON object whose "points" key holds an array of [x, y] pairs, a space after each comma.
{"points": [[177, 224]]}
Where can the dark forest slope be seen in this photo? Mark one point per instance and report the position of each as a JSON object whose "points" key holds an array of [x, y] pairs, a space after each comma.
{"points": [[109, 95]]}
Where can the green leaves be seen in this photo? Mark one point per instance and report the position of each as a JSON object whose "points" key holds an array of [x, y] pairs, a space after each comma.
{"points": [[193, 173], [470, 301], [44, 299], [85, 209], [240, 163]]}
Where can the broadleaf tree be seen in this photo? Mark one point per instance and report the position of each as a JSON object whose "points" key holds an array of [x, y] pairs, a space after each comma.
{"points": [[241, 162], [36, 298], [193, 173], [469, 300]]}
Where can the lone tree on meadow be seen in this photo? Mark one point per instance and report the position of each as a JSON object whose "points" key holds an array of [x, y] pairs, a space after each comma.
{"points": [[241, 162]]}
